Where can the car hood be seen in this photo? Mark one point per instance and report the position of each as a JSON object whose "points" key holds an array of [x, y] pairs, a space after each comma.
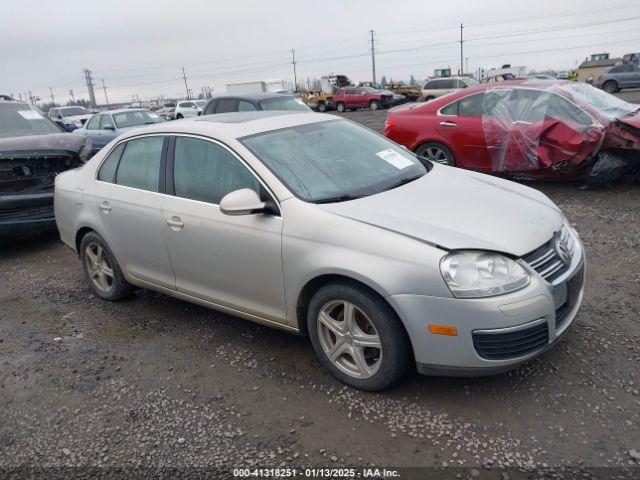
{"points": [[33, 144], [455, 209]]}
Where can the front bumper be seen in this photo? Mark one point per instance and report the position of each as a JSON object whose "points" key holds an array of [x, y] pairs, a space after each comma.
{"points": [[26, 212], [494, 334]]}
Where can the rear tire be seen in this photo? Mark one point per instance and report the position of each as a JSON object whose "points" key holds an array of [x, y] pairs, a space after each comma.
{"points": [[322, 107], [610, 86], [429, 98], [340, 107], [367, 342], [437, 153], [179, 116], [102, 270]]}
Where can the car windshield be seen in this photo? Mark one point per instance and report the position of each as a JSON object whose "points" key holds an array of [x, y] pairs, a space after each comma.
{"points": [[69, 112], [17, 120], [471, 82], [605, 104], [200, 103], [284, 103], [334, 160], [135, 117], [371, 90]]}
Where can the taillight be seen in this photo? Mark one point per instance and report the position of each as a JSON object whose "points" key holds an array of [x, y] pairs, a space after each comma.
{"points": [[389, 124]]}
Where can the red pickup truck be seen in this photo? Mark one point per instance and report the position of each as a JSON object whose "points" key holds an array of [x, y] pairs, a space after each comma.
{"points": [[352, 98]]}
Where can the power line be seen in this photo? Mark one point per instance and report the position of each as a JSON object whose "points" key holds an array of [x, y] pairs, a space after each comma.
{"points": [[461, 50], [186, 86], [104, 89], [373, 55], [295, 76], [88, 78]]}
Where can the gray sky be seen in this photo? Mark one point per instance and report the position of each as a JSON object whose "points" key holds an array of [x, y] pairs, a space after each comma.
{"points": [[139, 46]]}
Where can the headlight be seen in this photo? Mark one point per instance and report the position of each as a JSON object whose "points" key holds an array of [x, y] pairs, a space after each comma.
{"points": [[473, 274]]}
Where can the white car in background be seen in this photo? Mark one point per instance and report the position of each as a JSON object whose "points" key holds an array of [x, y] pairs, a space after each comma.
{"points": [[189, 108]]}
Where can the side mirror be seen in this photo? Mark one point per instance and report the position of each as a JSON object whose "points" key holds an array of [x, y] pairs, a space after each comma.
{"points": [[108, 127], [242, 202]]}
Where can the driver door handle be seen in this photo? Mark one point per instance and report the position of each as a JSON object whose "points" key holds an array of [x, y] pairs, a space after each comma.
{"points": [[175, 223], [105, 208], [448, 124]]}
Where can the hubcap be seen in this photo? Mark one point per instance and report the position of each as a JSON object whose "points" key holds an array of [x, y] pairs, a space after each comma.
{"points": [[349, 339], [436, 155], [98, 267]]}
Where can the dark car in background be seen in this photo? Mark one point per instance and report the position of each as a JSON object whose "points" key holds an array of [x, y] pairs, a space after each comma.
{"points": [[248, 102], [105, 126], [619, 77], [353, 98], [33, 150]]}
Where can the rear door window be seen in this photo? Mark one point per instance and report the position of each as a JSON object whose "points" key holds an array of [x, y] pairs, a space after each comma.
{"points": [[471, 106], [139, 165]]}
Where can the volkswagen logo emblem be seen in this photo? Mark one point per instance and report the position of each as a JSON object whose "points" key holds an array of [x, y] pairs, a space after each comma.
{"points": [[562, 250]]}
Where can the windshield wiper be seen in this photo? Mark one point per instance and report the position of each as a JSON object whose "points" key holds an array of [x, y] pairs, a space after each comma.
{"points": [[402, 181], [339, 198]]}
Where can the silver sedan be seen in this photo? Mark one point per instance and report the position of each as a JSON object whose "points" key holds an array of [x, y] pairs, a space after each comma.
{"points": [[315, 225]]}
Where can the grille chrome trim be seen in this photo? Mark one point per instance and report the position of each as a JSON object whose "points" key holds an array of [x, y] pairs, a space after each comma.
{"points": [[548, 260]]}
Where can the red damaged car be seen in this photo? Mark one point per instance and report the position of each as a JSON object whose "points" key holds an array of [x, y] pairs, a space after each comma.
{"points": [[527, 129], [352, 98]]}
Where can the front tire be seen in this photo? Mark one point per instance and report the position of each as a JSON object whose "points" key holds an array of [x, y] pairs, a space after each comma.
{"points": [[357, 336], [322, 107], [610, 86], [179, 116], [374, 105], [102, 270], [437, 153], [340, 107]]}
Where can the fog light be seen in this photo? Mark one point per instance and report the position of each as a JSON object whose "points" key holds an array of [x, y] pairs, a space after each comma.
{"points": [[443, 330]]}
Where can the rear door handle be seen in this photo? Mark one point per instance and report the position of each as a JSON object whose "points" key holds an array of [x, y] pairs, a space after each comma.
{"points": [[105, 208], [448, 124], [175, 223]]}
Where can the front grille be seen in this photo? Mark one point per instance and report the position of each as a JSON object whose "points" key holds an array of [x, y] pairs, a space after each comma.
{"points": [[574, 285], [547, 261], [29, 213], [503, 346]]}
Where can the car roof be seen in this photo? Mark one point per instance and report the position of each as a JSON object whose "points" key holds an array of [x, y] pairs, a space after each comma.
{"points": [[123, 110], [253, 96], [230, 126], [13, 103]]}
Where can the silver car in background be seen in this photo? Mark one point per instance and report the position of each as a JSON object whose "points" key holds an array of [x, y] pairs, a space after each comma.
{"points": [[318, 226]]}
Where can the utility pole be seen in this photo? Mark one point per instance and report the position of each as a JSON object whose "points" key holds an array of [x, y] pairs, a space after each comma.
{"points": [[73, 99], [467, 63], [104, 89], [295, 76], [373, 56], [89, 79], [53, 99], [186, 86], [461, 50]]}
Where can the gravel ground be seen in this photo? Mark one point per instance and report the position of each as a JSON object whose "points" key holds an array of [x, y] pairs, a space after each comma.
{"points": [[154, 382]]}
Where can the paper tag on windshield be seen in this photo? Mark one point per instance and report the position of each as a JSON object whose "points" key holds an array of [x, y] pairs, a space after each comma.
{"points": [[29, 114], [395, 159]]}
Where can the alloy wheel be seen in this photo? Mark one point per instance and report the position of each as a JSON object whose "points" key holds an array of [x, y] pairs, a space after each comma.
{"points": [[349, 339], [436, 155], [98, 267]]}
